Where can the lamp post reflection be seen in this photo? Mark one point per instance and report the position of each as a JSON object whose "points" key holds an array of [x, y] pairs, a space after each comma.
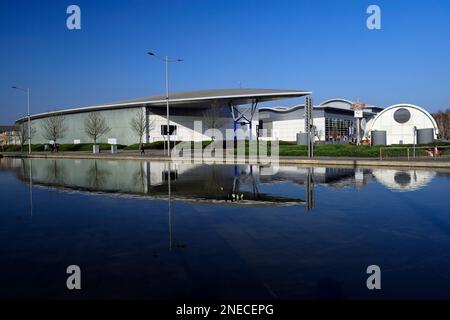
{"points": [[169, 205], [309, 186], [30, 169]]}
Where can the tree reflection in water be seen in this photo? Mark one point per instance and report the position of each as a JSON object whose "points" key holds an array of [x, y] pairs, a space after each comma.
{"points": [[97, 177], [55, 173]]}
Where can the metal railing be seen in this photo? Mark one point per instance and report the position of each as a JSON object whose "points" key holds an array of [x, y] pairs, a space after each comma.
{"points": [[434, 152]]}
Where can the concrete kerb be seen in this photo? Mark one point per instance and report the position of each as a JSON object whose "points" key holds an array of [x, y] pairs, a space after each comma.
{"points": [[282, 160]]}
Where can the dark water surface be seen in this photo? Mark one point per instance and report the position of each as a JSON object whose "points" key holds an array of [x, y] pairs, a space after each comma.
{"points": [[223, 231]]}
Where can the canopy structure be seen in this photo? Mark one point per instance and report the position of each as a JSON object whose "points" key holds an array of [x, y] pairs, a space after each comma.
{"points": [[235, 97]]}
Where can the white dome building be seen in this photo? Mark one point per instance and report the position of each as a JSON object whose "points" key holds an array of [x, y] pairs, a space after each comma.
{"points": [[397, 124]]}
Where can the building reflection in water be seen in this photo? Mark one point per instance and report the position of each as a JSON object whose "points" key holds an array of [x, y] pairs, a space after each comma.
{"points": [[201, 183], [238, 185], [404, 181]]}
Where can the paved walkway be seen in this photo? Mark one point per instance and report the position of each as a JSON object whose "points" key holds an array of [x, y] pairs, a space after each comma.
{"points": [[158, 155]]}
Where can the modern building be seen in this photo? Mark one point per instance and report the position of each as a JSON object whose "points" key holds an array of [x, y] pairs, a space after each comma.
{"points": [[232, 109], [242, 112], [402, 124], [335, 122]]}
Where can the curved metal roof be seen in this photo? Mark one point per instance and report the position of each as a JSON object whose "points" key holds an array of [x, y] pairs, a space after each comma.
{"points": [[345, 104], [195, 99], [407, 105], [282, 109], [337, 100]]}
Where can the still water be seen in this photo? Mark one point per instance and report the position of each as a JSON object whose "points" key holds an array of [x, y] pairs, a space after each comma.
{"points": [[151, 230]]}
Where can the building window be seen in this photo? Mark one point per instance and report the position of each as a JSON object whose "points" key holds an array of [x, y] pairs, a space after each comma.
{"points": [[172, 130], [402, 115], [338, 129], [265, 129]]}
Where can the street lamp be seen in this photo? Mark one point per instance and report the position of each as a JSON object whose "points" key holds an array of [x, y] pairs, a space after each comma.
{"points": [[27, 90], [166, 59]]}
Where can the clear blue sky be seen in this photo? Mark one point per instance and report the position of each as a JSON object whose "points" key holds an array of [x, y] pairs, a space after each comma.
{"points": [[322, 46]]}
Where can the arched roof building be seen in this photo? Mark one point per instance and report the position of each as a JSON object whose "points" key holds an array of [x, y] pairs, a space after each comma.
{"points": [[235, 106], [400, 122]]}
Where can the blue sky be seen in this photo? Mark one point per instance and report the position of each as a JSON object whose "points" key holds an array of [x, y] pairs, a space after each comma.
{"points": [[322, 46]]}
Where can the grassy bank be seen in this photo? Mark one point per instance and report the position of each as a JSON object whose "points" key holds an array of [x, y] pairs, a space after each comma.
{"points": [[147, 146], [285, 148], [159, 145], [62, 147], [86, 147], [349, 150], [330, 150]]}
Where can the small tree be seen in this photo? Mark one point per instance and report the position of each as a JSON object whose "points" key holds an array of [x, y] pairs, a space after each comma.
{"points": [[23, 134], [3, 140], [212, 117], [95, 126], [443, 122], [53, 128], [140, 125]]}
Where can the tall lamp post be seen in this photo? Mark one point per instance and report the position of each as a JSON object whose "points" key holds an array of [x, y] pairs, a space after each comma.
{"points": [[27, 90], [166, 59]]}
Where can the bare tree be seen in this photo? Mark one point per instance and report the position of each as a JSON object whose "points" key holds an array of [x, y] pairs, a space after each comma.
{"points": [[212, 117], [443, 122], [3, 140], [140, 125], [22, 134], [53, 128], [95, 126]]}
